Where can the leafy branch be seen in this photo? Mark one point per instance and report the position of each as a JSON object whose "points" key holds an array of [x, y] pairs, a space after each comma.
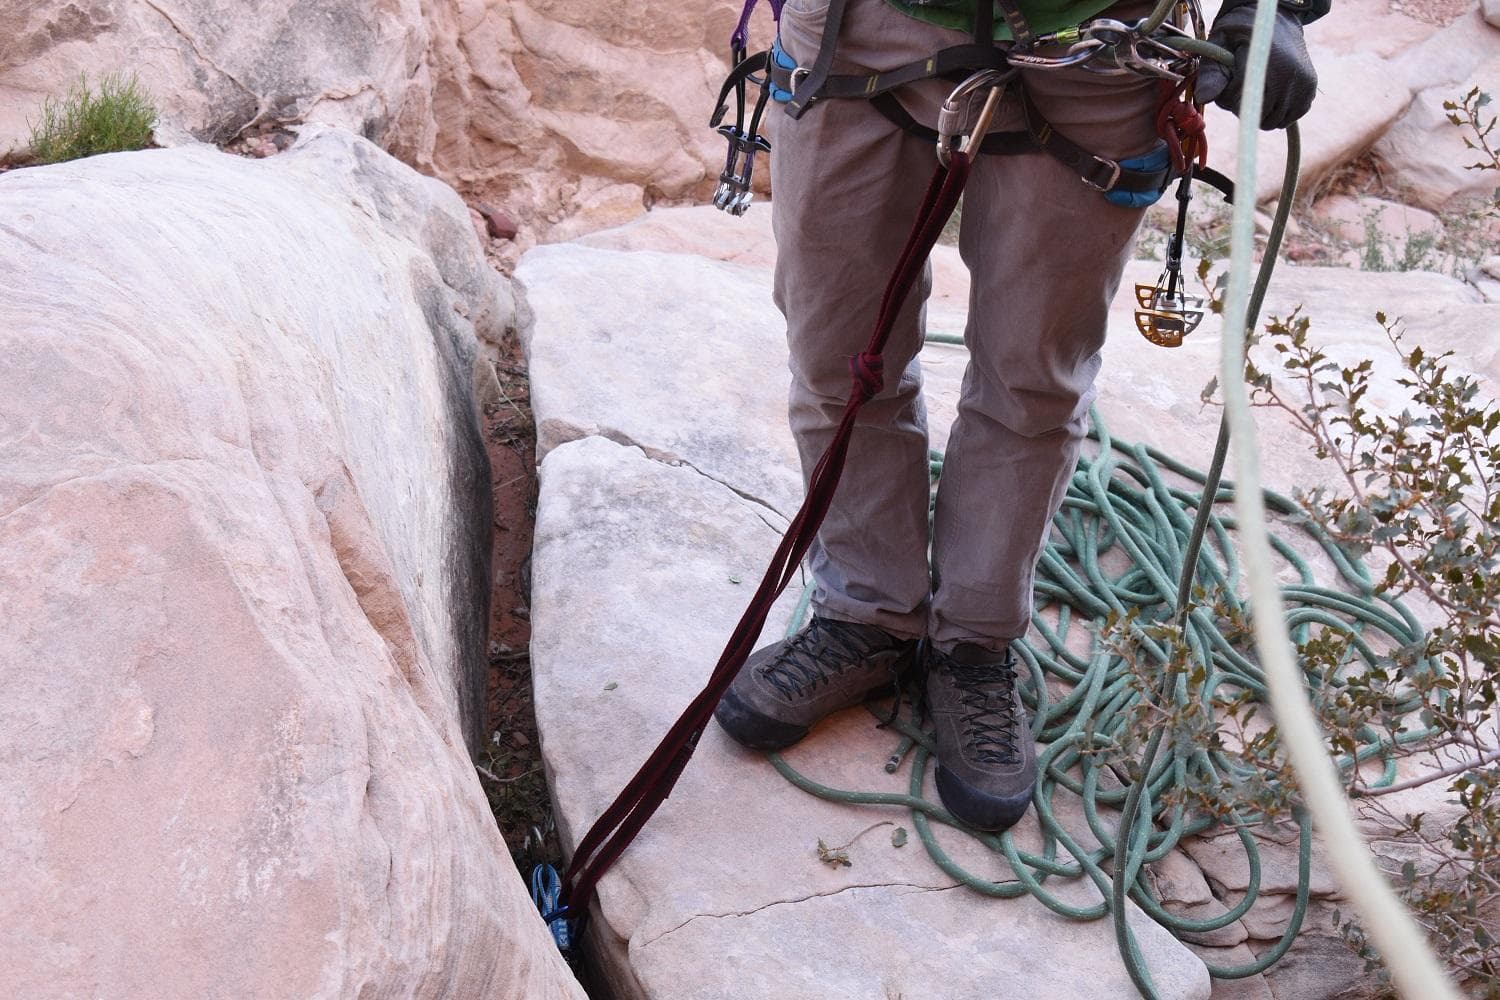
{"points": [[1418, 496]]}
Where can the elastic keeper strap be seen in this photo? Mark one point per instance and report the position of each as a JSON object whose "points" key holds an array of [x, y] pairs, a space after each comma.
{"points": [[1154, 162], [780, 60]]}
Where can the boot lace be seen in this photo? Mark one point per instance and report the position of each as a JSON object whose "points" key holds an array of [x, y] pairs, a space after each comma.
{"points": [[814, 655], [992, 727]]}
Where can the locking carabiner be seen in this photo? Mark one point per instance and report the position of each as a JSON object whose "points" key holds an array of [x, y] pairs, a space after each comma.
{"points": [[951, 115]]}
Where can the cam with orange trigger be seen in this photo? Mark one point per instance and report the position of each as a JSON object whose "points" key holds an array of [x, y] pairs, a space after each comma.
{"points": [[1165, 313]]}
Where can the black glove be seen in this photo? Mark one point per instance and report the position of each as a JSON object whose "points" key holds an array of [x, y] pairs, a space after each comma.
{"points": [[1291, 81]]}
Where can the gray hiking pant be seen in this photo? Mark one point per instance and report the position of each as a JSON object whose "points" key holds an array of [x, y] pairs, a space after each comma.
{"points": [[1045, 253]]}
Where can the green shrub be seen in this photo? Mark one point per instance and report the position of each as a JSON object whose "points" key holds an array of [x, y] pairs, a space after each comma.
{"points": [[118, 116]]}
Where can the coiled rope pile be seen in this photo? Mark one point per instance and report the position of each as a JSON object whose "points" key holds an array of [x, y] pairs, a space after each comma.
{"points": [[1132, 508]]}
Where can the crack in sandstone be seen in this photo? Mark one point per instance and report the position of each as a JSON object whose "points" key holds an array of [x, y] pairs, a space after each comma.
{"points": [[260, 104], [675, 461], [913, 886], [756, 503], [334, 97]]}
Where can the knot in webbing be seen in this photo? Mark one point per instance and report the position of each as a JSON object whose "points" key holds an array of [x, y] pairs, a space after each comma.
{"points": [[868, 371], [1182, 125]]}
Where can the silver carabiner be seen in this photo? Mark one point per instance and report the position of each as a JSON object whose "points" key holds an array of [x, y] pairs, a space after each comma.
{"points": [[1166, 61], [1120, 44], [1080, 53], [951, 114], [1107, 31]]}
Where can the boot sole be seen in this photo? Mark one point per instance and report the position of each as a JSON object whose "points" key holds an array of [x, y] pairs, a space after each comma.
{"points": [[981, 810]]}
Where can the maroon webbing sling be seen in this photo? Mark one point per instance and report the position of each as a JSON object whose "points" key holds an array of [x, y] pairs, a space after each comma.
{"points": [[617, 827]]}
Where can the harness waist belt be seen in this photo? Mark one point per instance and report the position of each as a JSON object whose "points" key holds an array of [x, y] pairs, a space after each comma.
{"points": [[1096, 171]]}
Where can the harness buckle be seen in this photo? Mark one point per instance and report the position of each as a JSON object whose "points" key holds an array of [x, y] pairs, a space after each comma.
{"points": [[1114, 176]]}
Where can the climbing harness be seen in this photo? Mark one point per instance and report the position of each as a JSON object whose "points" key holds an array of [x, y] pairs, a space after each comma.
{"points": [[1119, 500], [1152, 47]]}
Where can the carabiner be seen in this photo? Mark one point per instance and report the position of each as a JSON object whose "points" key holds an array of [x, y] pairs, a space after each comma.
{"points": [[1119, 50], [950, 116], [1080, 53]]}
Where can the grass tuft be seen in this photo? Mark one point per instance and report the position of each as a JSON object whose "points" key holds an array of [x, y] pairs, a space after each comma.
{"points": [[117, 116]]}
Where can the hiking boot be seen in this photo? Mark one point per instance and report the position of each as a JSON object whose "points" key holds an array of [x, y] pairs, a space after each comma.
{"points": [[787, 686], [986, 758]]}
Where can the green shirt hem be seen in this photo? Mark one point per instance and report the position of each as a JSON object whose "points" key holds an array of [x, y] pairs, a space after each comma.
{"points": [[1043, 22]]}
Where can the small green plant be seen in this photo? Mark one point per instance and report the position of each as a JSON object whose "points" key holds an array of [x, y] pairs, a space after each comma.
{"points": [[1423, 487], [1466, 237], [1420, 493], [1454, 250], [117, 116], [1417, 252], [1467, 113]]}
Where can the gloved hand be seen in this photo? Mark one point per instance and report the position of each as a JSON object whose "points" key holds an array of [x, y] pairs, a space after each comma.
{"points": [[1291, 81]]}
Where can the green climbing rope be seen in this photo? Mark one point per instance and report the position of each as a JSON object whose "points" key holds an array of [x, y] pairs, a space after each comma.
{"points": [[1127, 507]]}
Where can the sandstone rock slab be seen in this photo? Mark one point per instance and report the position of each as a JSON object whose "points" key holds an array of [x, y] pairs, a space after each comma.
{"points": [[711, 324], [1389, 231], [1374, 27], [244, 530], [746, 239], [1146, 394], [1249, 988], [1359, 98], [1449, 56], [213, 66], [571, 115], [1425, 152], [1321, 966]]}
